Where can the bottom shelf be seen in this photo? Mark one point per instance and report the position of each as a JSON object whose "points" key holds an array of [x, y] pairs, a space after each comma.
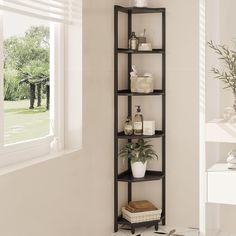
{"points": [[122, 221]]}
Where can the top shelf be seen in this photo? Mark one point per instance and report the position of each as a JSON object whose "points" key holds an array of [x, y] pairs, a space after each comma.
{"points": [[139, 10]]}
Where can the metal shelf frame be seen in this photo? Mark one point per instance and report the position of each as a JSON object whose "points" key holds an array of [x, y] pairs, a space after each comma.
{"points": [[151, 175]]}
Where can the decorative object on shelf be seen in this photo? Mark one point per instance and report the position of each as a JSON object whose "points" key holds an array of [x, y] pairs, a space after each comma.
{"points": [[228, 113], [128, 127], [149, 127], [142, 37], [141, 216], [139, 169], [140, 206], [142, 42], [145, 47], [231, 160], [140, 3], [139, 153], [138, 122], [229, 75], [133, 42], [141, 84]]}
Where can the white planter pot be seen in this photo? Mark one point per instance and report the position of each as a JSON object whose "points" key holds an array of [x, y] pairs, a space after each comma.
{"points": [[140, 3], [138, 169]]}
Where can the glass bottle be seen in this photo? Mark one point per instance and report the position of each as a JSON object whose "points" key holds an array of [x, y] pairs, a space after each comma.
{"points": [[138, 122], [128, 127], [133, 42]]}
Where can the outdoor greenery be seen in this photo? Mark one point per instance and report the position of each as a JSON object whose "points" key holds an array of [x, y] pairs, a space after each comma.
{"points": [[21, 123], [138, 151], [12, 90], [26, 66], [228, 56]]}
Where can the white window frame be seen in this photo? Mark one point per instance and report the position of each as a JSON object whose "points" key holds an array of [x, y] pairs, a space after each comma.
{"points": [[27, 150]]}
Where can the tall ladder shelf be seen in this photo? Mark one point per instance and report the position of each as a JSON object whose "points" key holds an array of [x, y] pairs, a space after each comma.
{"points": [[126, 176]]}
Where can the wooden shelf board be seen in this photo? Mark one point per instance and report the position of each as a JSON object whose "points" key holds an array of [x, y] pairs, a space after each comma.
{"points": [[129, 51], [149, 176], [139, 10], [123, 221], [127, 92], [158, 134]]}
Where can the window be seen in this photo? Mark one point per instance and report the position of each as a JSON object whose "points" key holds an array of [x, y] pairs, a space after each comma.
{"points": [[31, 78], [26, 78]]}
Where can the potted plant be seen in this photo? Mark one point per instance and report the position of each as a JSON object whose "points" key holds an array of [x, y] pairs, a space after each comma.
{"points": [[227, 76], [139, 153]]}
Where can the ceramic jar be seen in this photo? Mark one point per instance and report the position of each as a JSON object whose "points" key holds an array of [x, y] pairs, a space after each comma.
{"points": [[140, 3]]}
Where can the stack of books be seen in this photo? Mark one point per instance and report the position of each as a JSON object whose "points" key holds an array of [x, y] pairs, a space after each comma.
{"points": [[141, 211]]}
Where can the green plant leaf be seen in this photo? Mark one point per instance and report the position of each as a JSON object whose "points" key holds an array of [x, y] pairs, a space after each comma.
{"points": [[138, 151]]}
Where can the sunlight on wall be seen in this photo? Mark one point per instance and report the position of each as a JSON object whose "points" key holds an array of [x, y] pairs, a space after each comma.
{"points": [[202, 174]]}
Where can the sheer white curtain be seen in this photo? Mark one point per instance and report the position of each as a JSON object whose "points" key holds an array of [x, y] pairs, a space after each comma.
{"points": [[54, 10]]}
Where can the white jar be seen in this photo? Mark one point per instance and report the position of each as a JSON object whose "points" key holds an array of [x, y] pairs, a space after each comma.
{"points": [[140, 3], [138, 169]]}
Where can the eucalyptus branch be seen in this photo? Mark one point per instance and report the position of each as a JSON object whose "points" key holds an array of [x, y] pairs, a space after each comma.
{"points": [[229, 57]]}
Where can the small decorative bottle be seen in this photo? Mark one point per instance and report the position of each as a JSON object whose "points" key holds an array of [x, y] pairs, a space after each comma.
{"points": [[138, 122], [128, 127], [133, 42]]}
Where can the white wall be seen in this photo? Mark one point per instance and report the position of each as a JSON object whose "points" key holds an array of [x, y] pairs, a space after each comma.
{"points": [[182, 112], [73, 195]]}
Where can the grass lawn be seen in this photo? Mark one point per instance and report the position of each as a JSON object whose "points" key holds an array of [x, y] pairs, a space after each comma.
{"points": [[22, 123]]}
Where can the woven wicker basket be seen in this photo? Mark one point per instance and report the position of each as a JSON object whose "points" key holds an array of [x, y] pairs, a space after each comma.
{"points": [[141, 216]]}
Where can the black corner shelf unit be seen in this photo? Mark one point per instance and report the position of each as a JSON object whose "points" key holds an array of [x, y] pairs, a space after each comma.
{"points": [[126, 176]]}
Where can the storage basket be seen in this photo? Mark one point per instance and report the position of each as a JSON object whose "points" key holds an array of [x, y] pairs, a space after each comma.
{"points": [[141, 216]]}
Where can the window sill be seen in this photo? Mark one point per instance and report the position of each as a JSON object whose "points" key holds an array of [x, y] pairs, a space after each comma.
{"points": [[15, 167]]}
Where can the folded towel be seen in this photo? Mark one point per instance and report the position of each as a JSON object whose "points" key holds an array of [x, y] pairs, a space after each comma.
{"points": [[140, 206]]}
